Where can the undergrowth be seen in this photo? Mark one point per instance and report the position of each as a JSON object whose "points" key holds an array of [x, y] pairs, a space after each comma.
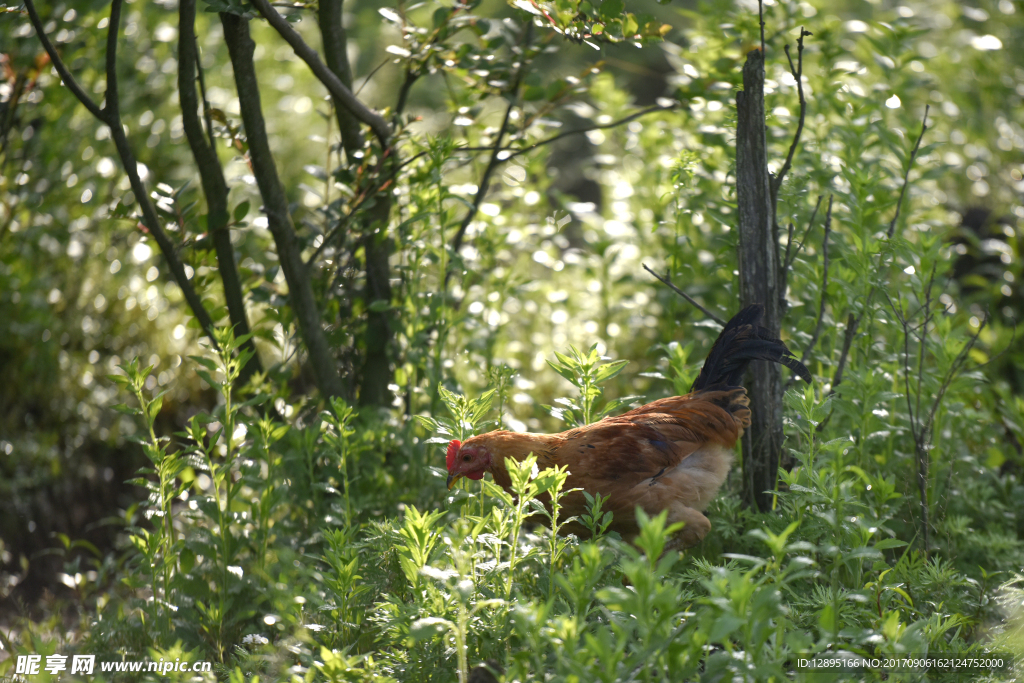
{"points": [[265, 546]]}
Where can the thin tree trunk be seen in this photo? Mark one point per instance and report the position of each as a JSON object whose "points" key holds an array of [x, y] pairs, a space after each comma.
{"points": [[759, 283], [335, 40], [376, 374], [275, 204], [215, 188]]}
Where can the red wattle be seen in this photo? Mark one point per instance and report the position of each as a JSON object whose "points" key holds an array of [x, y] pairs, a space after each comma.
{"points": [[453, 448], [475, 475]]}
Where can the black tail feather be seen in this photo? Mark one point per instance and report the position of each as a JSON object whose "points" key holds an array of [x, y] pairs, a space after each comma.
{"points": [[742, 340]]}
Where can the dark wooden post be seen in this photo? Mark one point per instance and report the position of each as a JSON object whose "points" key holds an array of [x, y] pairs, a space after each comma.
{"points": [[759, 283]]}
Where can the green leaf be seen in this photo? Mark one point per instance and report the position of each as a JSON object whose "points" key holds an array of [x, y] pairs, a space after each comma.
{"points": [[723, 626], [827, 619], [441, 15], [629, 26], [563, 371], [888, 543], [428, 422], [611, 9], [205, 362], [124, 409], [209, 380], [606, 372], [186, 560], [154, 407]]}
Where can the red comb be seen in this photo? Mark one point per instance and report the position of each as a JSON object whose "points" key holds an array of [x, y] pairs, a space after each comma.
{"points": [[453, 447]]}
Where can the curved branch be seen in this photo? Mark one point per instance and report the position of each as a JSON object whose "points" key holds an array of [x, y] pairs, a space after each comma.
{"points": [[58, 64], [497, 159], [485, 179], [494, 161], [824, 289], [111, 99], [668, 282], [791, 256], [110, 115], [854, 322], [513, 152], [798, 74], [149, 215], [587, 129], [906, 176], [207, 116], [341, 94]]}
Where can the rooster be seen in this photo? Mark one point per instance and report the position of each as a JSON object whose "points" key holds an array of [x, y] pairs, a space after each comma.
{"points": [[672, 454]]}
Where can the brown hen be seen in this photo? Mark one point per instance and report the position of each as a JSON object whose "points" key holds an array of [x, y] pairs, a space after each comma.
{"points": [[672, 454]]}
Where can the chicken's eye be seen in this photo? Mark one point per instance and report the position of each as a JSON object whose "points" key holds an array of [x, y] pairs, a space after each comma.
{"points": [[465, 458]]}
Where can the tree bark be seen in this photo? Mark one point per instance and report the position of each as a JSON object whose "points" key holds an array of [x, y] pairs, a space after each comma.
{"points": [[376, 373], [759, 283], [275, 204]]}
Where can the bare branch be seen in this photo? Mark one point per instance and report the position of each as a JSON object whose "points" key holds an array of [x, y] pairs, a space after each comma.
{"points": [[789, 243], [555, 138], [207, 115], [1009, 345], [954, 369], [921, 429], [366, 79], [411, 76], [344, 221], [485, 179], [760, 19], [854, 323], [341, 94], [111, 101], [150, 217], [495, 160], [927, 308], [667, 281], [798, 74], [824, 286], [919, 435], [513, 153], [790, 257], [906, 174]]}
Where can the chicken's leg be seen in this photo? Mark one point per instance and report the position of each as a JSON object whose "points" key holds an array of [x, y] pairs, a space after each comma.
{"points": [[696, 527]]}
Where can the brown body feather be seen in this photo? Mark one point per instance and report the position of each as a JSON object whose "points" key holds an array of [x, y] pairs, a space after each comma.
{"points": [[672, 454]]}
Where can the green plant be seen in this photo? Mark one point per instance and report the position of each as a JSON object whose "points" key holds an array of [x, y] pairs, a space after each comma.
{"points": [[587, 372]]}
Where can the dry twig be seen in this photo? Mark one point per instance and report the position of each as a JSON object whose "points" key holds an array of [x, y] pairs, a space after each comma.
{"points": [[665, 280], [798, 74]]}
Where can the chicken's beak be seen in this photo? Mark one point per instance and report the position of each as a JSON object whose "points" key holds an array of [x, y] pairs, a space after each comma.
{"points": [[452, 478]]}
